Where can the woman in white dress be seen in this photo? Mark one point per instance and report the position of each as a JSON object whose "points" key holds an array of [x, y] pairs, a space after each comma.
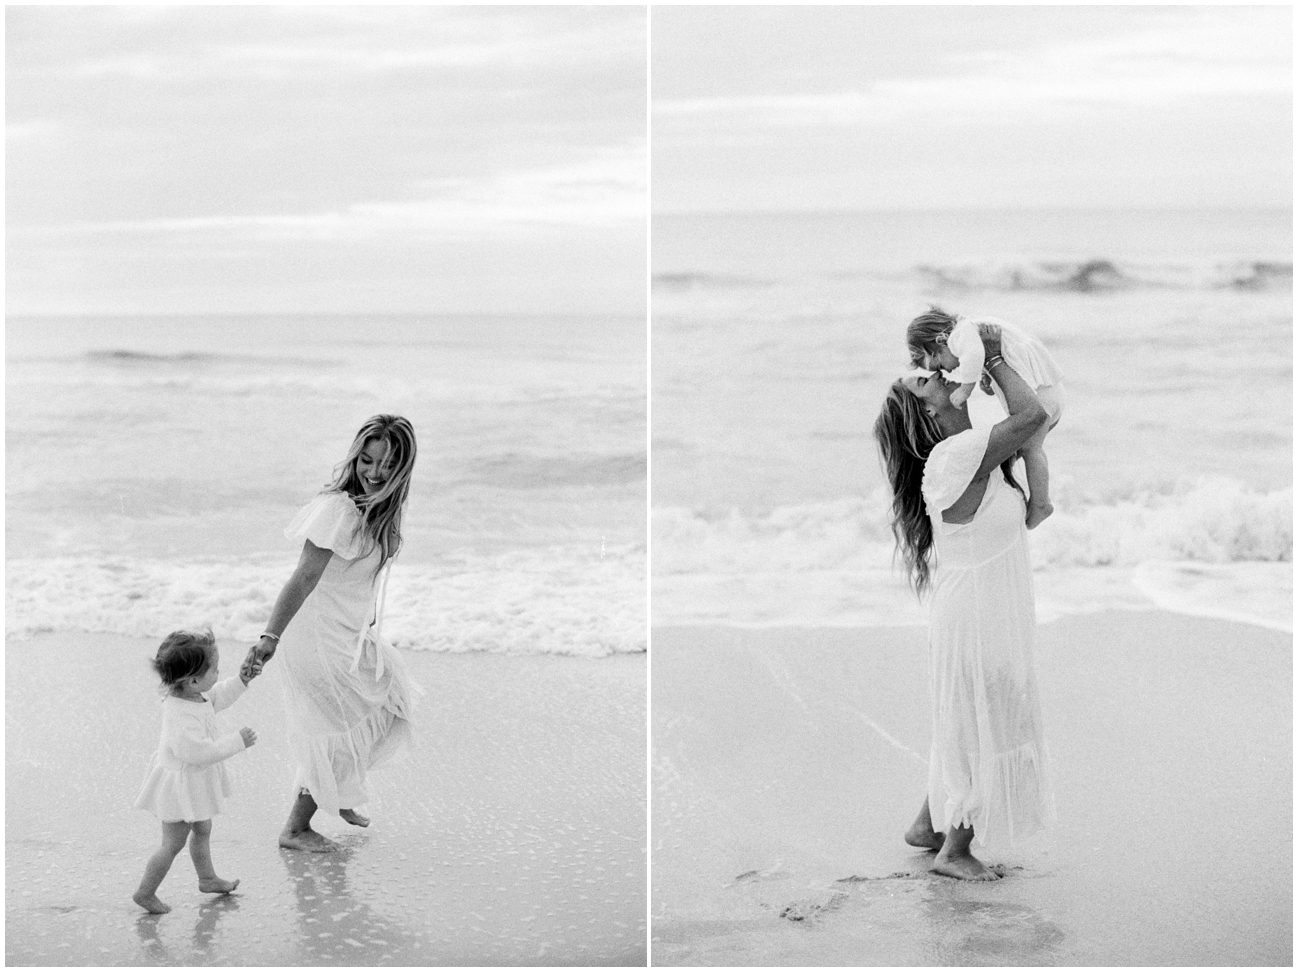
{"points": [[347, 696], [959, 520]]}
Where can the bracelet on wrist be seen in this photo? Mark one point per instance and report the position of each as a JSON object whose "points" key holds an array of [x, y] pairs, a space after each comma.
{"points": [[272, 637]]}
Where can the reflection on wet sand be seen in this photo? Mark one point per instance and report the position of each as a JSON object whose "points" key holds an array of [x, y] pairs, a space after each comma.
{"points": [[334, 926], [968, 930]]}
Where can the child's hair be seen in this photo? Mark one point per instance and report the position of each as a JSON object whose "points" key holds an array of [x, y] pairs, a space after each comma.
{"points": [[381, 511], [182, 655], [923, 331]]}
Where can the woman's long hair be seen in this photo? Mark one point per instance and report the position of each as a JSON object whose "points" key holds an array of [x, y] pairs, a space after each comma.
{"points": [[380, 511], [906, 434]]}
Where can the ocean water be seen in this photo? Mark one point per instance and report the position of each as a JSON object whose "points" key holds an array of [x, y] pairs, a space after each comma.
{"points": [[152, 464], [775, 337]]}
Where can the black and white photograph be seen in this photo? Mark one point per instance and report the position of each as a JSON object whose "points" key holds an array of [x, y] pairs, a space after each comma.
{"points": [[326, 485], [971, 492]]}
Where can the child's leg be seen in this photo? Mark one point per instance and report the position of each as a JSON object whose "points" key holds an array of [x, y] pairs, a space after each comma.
{"points": [[200, 852], [1038, 470], [174, 834]]}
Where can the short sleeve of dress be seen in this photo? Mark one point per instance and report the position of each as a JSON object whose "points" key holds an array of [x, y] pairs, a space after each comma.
{"points": [[951, 466], [330, 521]]}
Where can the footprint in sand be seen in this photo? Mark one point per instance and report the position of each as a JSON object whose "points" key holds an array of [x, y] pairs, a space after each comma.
{"points": [[806, 910]]}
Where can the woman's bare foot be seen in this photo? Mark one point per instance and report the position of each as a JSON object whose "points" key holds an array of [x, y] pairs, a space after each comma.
{"points": [[1038, 512], [150, 903], [921, 834], [354, 818], [306, 840], [964, 867], [216, 885]]}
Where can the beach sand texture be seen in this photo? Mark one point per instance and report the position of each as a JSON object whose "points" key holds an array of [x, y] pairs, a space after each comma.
{"points": [[512, 834], [788, 763]]}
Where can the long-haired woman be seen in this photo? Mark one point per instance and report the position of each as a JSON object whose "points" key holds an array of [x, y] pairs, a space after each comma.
{"points": [[958, 518], [347, 695]]}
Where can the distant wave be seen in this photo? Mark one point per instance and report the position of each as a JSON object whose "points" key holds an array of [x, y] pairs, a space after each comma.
{"points": [[115, 355], [124, 356], [1097, 275], [1086, 276], [561, 600], [706, 281]]}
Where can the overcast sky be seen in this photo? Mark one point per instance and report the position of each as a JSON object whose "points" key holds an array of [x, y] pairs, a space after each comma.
{"points": [[311, 158], [771, 108]]}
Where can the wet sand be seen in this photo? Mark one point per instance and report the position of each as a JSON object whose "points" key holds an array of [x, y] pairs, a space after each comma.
{"points": [[788, 763], [513, 834]]}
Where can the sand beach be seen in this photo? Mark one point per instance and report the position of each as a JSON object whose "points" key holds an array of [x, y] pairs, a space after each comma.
{"points": [[789, 761], [512, 834]]}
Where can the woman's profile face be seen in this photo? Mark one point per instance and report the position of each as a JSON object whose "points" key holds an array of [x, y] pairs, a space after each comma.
{"points": [[374, 464], [933, 390]]}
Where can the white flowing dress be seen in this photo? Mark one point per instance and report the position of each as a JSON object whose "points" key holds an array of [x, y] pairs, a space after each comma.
{"points": [[987, 764], [347, 696]]}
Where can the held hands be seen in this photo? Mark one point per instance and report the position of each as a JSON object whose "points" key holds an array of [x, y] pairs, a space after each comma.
{"points": [[258, 655], [249, 737]]}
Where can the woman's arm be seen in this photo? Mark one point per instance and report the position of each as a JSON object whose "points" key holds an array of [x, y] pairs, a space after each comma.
{"points": [[305, 577], [1008, 436], [1026, 415]]}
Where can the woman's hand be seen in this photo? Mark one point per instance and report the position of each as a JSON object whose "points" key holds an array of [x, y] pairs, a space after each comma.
{"points": [[991, 335], [265, 649]]}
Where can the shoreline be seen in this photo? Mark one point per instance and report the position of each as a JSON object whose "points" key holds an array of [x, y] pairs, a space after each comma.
{"points": [[788, 763], [511, 832]]}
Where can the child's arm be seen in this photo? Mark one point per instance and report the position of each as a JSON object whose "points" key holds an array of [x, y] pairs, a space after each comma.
{"points": [[186, 739], [226, 692], [961, 394]]}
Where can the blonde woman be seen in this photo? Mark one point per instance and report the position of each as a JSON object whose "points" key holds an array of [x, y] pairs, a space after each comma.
{"points": [[347, 695], [958, 516]]}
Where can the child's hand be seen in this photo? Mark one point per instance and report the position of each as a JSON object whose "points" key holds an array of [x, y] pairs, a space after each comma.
{"points": [[961, 395], [985, 383], [251, 667], [249, 737]]}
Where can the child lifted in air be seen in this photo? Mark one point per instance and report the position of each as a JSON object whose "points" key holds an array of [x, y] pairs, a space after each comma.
{"points": [[950, 343]]}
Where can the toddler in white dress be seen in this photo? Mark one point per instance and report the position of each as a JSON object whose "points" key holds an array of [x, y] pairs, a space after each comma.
{"points": [[951, 344], [187, 779]]}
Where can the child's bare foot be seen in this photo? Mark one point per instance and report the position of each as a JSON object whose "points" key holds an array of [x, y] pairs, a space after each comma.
{"points": [[354, 818], [150, 903], [1037, 512], [216, 885], [926, 837], [306, 840], [964, 867]]}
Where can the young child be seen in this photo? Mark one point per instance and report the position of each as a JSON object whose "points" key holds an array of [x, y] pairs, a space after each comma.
{"points": [[187, 779], [946, 342]]}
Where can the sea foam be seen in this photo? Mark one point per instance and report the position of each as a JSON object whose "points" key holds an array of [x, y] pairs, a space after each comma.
{"points": [[555, 600], [833, 563]]}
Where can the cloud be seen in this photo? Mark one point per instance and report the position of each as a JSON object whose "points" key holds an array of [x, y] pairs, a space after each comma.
{"points": [[605, 189], [1209, 56], [274, 43]]}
